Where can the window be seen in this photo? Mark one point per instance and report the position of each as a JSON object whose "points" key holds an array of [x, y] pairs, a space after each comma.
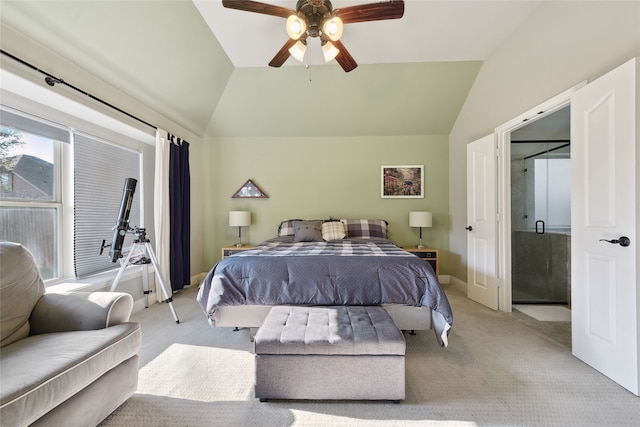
{"points": [[100, 170], [35, 187], [29, 186]]}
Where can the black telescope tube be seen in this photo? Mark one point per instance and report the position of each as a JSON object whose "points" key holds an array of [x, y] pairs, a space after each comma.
{"points": [[121, 227]]}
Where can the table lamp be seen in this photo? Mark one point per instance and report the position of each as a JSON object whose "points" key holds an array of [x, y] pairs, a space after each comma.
{"points": [[420, 219], [239, 219]]}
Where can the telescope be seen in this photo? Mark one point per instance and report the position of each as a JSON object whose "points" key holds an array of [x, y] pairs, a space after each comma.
{"points": [[122, 225], [119, 232]]}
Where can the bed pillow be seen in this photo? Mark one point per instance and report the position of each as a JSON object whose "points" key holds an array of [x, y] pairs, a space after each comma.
{"points": [[365, 228], [333, 230], [287, 228], [307, 231]]}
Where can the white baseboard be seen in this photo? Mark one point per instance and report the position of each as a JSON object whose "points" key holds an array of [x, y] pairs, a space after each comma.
{"points": [[139, 304], [458, 284], [198, 279]]}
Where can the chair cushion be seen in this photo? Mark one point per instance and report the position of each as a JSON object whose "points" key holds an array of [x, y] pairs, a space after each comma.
{"points": [[42, 371], [20, 289]]}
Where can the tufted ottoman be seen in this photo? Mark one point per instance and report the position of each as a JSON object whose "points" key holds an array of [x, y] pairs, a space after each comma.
{"points": [[341, 352]]}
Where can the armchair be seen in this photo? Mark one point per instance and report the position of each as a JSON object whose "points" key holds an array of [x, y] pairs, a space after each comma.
{"points": [[65, 359]]}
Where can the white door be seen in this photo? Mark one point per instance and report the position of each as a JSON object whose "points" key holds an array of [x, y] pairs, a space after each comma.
{"points": [[481, 222], [603, 276]]}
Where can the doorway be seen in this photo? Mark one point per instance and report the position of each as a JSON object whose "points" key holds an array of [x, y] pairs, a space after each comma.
{"points": [[504, 134], [541, 210], [604, 314]]}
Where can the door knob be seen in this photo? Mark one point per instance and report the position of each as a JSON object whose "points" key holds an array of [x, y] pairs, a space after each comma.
{"points": [[470, 228], [622, 241]]}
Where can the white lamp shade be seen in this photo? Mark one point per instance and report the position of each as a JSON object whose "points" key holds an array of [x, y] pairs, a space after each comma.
{"points": [[296, 27], [329, 51], [298, 50], [333, 28], [239, 218], [420, 219]]}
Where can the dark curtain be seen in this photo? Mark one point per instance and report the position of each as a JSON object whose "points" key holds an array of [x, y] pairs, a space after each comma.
{"points": [[180, 207]]}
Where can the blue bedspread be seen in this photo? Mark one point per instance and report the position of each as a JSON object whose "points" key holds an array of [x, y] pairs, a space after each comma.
{"points": [[344, 272]]}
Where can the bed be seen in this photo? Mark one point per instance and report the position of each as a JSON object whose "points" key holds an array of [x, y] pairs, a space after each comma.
{"points": [[326, 262]]}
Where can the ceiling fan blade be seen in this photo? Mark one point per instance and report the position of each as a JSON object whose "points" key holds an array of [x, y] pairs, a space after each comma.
{"points": [[258, 7], [344, 58], [393, 9], [283, 54]]}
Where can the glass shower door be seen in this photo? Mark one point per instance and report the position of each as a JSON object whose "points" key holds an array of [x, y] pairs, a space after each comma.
{"points": [[541, 219]]}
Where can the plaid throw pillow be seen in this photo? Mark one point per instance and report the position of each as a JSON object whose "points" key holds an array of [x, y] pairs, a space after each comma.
{"points": [[333, 230], [287, 227], [365, 228]]}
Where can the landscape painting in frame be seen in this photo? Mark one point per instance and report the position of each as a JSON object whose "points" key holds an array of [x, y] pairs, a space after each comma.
{"points": [[405, 181]]}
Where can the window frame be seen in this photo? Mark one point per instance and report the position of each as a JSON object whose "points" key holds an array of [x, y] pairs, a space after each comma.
{"points": [[57, 201], [21, 93]]}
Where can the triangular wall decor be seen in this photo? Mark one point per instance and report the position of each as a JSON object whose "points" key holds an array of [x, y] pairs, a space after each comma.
{"points": [[250, 190]]}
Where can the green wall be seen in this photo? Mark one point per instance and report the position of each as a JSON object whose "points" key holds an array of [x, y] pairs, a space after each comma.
{"points": [[317, 178]]}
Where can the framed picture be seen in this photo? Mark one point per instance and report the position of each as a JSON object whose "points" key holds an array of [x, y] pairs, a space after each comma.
{"points": [[250, 190], [406, 181]]}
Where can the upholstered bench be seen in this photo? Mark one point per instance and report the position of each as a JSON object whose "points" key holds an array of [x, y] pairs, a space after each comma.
{"points": [[327, 353]]}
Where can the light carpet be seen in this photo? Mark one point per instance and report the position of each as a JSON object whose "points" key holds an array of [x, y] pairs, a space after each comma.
{"points": [[499, 370], [545, 313]]}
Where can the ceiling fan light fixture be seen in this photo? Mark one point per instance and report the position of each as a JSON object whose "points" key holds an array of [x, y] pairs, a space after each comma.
{"points": [[329, 51], [296, 27], [298, 50], [333, 28]]}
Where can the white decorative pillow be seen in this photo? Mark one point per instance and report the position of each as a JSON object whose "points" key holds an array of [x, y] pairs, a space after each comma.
{"points": [[333, 230]]}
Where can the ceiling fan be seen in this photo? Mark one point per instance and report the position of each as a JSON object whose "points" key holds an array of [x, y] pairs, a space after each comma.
{"points": [[318, 18]]}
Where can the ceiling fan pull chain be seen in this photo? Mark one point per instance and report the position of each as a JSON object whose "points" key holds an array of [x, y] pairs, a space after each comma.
{"points": [[308, 66]]}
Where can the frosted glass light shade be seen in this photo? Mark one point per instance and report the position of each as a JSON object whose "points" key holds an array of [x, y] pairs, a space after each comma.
{"points": [[239, 218], [296, 26], [329, 51], [298, 50], [420, 219], [333, 28]]}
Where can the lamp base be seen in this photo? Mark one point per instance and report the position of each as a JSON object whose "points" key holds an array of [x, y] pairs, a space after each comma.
{"points": [[238, 245], [420, 245]]}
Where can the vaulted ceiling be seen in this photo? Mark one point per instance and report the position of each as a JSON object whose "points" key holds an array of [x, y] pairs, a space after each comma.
{"points": [[205, 67]]}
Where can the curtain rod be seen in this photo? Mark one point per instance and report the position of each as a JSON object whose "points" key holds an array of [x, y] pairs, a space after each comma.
{"points": [[51, 80]]}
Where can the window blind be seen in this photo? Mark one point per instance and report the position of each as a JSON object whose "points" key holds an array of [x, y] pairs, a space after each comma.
{"points": [[30, 124], [100, 170]]}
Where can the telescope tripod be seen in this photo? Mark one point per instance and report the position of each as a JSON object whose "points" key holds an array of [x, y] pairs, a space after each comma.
{"points": [[148, 258]]}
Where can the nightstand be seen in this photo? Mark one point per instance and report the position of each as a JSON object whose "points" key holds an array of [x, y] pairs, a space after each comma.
{"points": [[230, 250], [427, 254]]}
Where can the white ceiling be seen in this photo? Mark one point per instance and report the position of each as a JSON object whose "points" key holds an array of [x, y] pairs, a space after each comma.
{"points": [[209, 72], [429, 31]]}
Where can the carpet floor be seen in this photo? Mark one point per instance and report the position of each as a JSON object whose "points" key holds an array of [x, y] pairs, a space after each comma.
{"points": [[500, 369]]}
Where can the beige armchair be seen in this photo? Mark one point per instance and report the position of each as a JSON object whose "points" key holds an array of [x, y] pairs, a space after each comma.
{"points": [[65, 359]]}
